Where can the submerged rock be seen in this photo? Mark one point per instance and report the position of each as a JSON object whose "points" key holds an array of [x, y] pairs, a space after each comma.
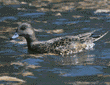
{"points": [[58, 14], [27, 73], [8, 78], [102, 11], [9, 2]]}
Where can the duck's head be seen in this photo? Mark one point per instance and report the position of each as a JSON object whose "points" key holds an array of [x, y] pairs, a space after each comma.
{"points": [[24, 30]]}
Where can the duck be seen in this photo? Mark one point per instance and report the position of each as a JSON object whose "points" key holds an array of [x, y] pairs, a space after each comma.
{"points": [[60, 45]]}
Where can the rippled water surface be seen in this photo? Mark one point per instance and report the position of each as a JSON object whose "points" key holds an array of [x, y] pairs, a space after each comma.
{"points": [[88, 67]]}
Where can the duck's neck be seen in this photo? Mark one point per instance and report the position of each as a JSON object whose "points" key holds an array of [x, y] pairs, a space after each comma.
{"points": [[30, 39]]}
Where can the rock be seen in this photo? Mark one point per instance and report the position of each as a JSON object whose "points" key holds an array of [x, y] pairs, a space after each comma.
{"points": [[8, 78], [9, 2], [27, 73], [58, 14], [23, 2], [33, 66], [58, 31], [102, 11]]}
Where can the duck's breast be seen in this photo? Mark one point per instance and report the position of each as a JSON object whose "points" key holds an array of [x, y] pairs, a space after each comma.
{"points": [[39, 47]]}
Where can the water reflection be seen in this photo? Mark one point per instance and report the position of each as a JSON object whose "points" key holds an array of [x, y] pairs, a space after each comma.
{"points": [[61, 22], [76, 59], [81, 64]]}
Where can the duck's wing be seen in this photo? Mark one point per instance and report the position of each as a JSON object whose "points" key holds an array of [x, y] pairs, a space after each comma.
{"points": [[88, 34], [85, 37], [81, 37], [66, 39]]}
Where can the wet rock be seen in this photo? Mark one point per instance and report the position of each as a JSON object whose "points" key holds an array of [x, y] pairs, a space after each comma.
{"points": [[96, 18], [43, 9], [50, 54], [21, 9], [24, 5], [27, 73], [77, 16], [44, 21], [101, 75], [102, 11], [93, 4], [107, 42], [8, 78], [58, 14], [52, 5], [38, 30], [17, 63], [23, 2], [32, 66], [63, 6], [28, 56], [9, 2], [3, 37], [58, 31]]}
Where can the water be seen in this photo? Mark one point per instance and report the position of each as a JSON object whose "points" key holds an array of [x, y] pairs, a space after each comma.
{"points": [[88, 67]]}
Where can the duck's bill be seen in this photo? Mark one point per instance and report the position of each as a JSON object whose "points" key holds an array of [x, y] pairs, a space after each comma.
{"points": [[15, 36]]}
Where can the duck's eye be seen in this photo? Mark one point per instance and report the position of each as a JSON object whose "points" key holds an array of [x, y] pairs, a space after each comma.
{"points": [[23, 27]]}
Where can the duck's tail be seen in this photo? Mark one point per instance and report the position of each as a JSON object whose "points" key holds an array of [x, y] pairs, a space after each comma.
{"points": [[96, 39]]}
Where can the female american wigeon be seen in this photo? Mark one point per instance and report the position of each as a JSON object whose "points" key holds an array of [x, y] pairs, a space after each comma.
{"points": [[66, 44]]}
